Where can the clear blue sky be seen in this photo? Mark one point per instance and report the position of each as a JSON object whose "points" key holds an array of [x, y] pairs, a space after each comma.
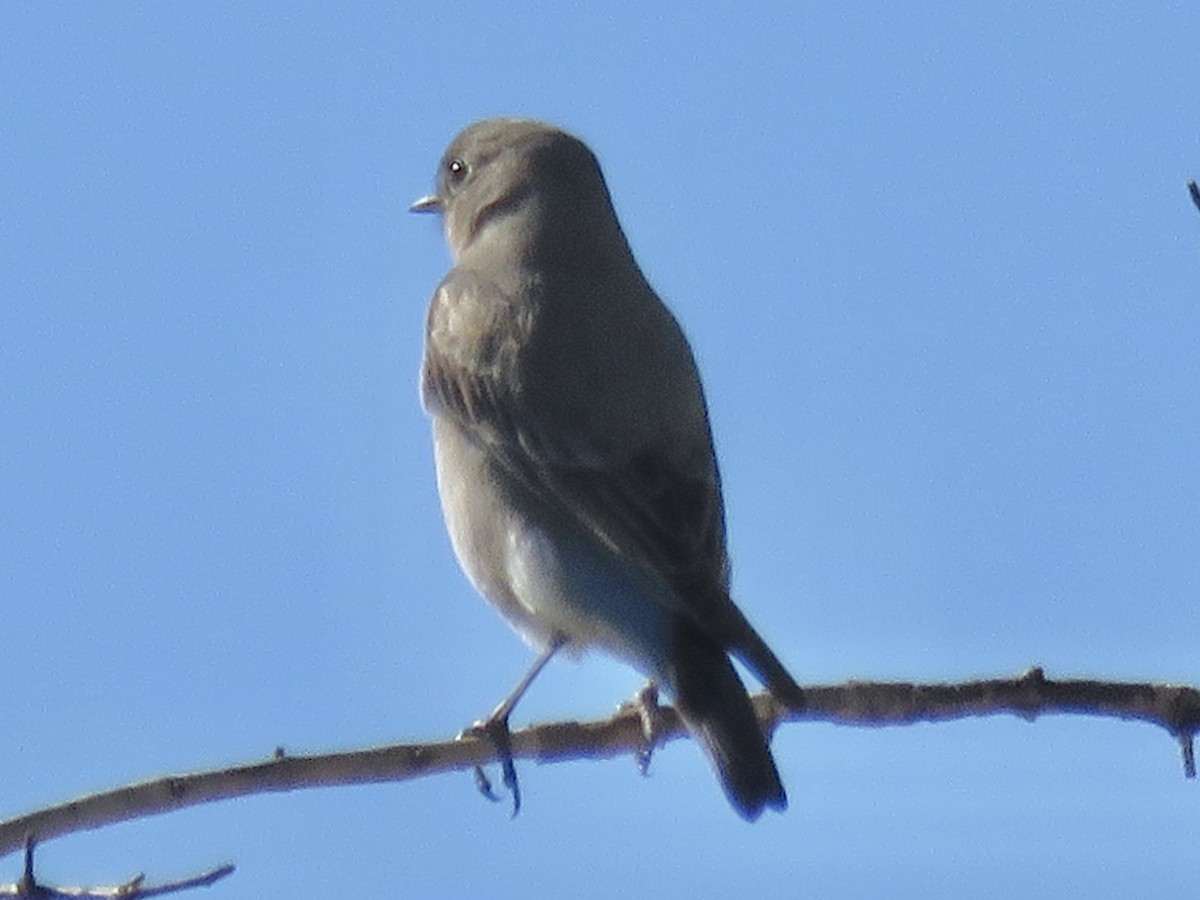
{"points": [[941, 273]]}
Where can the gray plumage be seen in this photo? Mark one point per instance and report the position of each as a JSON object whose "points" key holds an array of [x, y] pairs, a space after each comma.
{"points": [[574, 456]]}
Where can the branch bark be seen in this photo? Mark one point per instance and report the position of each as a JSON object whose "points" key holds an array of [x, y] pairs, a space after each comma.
{"points": [[1173, 707], [133, 889]]}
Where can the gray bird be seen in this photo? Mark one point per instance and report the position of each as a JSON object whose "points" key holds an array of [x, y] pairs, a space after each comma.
{"points": [[574, 457]]}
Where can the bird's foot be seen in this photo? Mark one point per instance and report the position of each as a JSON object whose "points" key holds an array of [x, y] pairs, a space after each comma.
{"points": [[645, 704], [494, 729]]}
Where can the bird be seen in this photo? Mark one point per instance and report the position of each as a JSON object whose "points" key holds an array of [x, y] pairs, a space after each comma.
{"points": [[573, 450]]}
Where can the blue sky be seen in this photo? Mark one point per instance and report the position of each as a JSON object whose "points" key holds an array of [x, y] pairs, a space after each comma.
{"points": [[941, 273]]}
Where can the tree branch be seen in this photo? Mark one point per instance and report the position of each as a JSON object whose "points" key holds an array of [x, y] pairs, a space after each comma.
{"points": [[135, 888], [1173, 707]]}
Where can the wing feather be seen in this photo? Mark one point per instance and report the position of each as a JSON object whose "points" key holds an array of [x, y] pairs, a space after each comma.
{"points": [[640, 503]]}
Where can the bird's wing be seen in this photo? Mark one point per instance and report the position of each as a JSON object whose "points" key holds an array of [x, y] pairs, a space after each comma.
{"points": [[640, 502]]}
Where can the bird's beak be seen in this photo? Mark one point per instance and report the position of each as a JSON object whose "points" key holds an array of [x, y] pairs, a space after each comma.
{"points": [[432, 203]]}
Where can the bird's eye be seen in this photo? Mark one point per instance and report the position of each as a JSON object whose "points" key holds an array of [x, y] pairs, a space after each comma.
{"points": [[458, 170]]}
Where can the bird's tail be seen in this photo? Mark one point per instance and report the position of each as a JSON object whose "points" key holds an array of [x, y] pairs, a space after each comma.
{"points": [[714, 705], [747, 645]]}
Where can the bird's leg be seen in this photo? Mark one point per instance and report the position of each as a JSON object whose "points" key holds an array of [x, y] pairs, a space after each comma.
{"points": [[495, 729]]}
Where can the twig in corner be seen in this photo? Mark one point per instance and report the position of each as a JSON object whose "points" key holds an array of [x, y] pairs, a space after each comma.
{"points": [[133, 889]]}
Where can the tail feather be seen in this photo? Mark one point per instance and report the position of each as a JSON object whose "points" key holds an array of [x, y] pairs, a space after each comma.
{"points": [[714, 705], [748, 646]]}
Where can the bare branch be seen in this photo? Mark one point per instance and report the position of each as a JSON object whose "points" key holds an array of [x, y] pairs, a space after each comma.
{"points": [[1173, 707], [1195, 192], [133, 889]]}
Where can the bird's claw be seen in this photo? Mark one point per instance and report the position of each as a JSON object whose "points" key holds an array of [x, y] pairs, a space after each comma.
{"points": [[645, 704], [495, 730]]}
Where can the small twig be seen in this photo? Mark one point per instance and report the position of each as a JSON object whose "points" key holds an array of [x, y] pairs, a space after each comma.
{"points": [[204, 879], [133, 889], [1173, 707], [1195, 192]]}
